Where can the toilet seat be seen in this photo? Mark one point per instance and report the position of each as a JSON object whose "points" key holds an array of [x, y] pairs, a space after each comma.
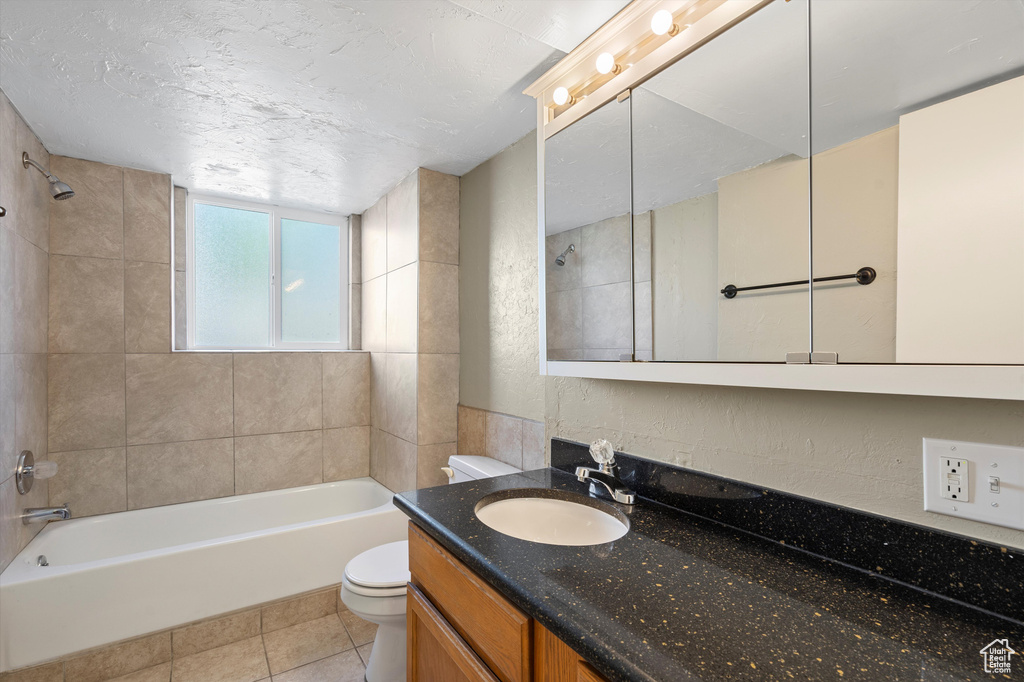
{"points": [[379, 572]]}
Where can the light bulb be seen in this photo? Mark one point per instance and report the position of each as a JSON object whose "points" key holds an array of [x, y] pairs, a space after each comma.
{"points": [[606, 63], [661, 23], [561, 96]]}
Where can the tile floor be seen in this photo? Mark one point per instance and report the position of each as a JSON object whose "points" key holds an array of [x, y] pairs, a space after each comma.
{"points": [[335, 647]]}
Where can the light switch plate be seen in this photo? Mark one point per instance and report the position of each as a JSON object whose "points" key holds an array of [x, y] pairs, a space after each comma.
{"points": [[984, 462]]}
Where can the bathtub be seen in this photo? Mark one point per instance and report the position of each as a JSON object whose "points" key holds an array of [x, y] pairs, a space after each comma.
{"points": [[122, 575]]}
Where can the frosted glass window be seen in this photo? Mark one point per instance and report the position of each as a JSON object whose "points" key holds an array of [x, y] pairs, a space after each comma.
{"points": [[231, 266], [310, 282]]}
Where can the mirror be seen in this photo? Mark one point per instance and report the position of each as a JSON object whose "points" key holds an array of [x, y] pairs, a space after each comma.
{"points": [[587, 248], [918, 172], [720, 147]]}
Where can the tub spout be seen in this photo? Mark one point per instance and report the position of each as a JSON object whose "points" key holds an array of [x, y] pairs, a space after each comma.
{"points": [[43, 514]]}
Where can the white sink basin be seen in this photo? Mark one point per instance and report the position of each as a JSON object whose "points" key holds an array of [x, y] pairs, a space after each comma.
{"points": [[553, 520]]}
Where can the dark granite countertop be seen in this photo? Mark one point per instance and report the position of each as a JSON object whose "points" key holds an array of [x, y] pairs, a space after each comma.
{"points": [[682, 597]]}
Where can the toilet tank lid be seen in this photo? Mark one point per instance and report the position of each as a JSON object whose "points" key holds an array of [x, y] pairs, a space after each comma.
{"points": [[382, 566], [480, 467]]}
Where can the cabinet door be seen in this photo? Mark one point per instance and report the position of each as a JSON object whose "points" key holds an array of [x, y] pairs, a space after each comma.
{"points": [[436, 653]]}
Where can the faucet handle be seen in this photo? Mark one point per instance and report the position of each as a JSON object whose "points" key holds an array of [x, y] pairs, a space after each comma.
{"points": [[602, 452]]}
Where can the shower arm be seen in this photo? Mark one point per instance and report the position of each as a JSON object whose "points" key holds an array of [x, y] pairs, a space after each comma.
{"points": [[26, 162]]}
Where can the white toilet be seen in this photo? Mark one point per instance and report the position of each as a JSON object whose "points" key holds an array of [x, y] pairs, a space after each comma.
{"points": [[373, 586]]}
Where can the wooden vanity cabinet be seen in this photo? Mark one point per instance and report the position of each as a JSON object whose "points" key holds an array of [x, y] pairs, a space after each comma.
{"points": [[461, 628]]}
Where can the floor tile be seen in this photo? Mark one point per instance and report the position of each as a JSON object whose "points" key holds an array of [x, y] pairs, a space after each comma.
{"points": [[243, 661], [158, 673], [364, 653], [306, 642], [343, 667], [361, 631]]}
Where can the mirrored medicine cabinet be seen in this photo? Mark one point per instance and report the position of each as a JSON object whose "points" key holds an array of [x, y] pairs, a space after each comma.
{"points": [[822, 194]]}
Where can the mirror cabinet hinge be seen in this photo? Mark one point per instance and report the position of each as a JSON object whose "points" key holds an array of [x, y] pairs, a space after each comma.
{"points": [[623, 96], [798, 358], [812, 358], [626, 357]]}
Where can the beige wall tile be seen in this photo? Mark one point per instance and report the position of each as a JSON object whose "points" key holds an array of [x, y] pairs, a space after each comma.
{"points": [[119, 660], [505, 439], [375, 314], [534, 446], [278, 460], [604, 252], [403, 223], [86, 305], [401, 395], [33, 219], [378, 455], [607, 322], [346, 389], [177, 397], [439, 217], [8, 414], [10, 531], [30, 408], [89, 481], [346, 453], [30, 301], [277, 392], [49, 672], [147, 307], [562, 277], [355, 249], [180, 316], [429, 460], [10, 158], [355, 316], [401, 310], [438, 308], [344, 667], [219, 632], [242, 661], [7, 277], [378, 390], [170, 473], [180, 197], [147, 216], [374, 241], [401, 472], [472, 431], [302, 609], [92, 223], [86, 398], [437, 399], [565, 319], [306, 642]]}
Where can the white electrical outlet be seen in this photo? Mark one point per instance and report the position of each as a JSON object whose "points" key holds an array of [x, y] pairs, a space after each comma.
{"points": [[954, 478], [975, 481]]}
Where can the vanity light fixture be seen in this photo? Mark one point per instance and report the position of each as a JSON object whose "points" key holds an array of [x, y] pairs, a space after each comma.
{"points": [[562, 97], [606, 64], [662, 23]]}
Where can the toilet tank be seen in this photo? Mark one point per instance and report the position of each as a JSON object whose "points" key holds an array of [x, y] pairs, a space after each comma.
{"points": [[470, 468]]}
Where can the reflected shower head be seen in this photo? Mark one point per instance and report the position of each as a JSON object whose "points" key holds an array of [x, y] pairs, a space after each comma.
{"points": [[560, 261], [58, 190]]}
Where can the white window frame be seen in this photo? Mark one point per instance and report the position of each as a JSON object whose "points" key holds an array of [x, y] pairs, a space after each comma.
{"points": [[276, 213]]}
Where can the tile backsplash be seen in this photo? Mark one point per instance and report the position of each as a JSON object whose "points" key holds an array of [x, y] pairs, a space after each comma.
{"points": [[513, 440]]}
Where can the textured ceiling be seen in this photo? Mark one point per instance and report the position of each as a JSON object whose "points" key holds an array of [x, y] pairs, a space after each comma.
{"points": [[312, 103]]}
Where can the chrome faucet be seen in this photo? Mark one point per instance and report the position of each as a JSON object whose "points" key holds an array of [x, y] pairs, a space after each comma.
{"points": [[607, 475], [43, 514]]}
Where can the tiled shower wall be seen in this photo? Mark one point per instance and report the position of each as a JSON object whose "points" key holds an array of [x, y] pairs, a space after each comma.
{"points": [[588, 298], [24, 241], [410, 304], [132, 424]]}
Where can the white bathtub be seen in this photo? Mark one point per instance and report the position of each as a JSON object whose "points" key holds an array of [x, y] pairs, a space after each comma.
{"points": [[121, 575]]}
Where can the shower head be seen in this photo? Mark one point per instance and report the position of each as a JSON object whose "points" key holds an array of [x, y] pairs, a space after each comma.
{"points": [[560, 261], [58, 190]]}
